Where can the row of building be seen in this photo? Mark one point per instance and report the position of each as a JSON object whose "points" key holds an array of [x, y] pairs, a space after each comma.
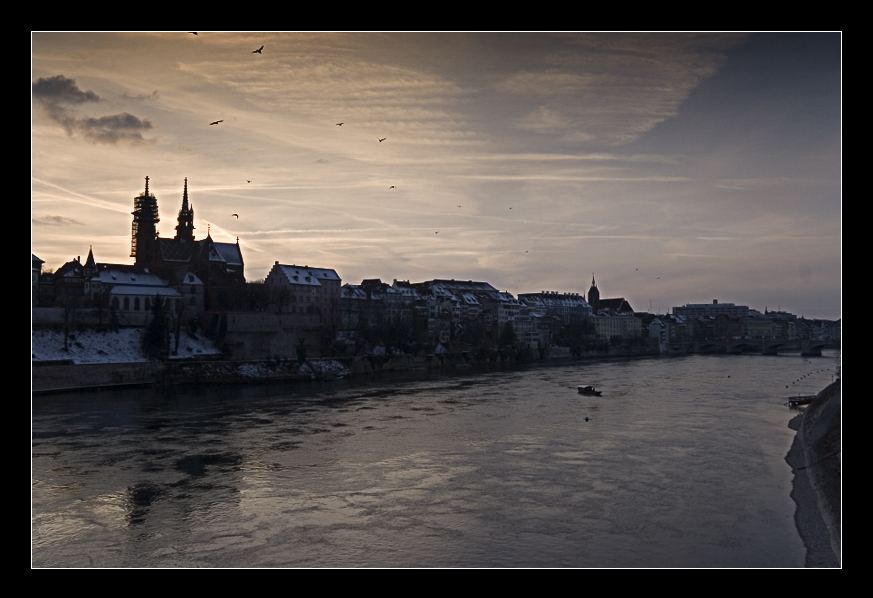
{"points": [[191, 276], [467, 310]]}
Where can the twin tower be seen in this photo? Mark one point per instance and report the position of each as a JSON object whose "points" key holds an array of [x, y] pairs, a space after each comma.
{"points": [[144, 233]]}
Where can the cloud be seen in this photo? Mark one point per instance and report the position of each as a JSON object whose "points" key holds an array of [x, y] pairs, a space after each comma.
{"points": [[613, 89], [115, 128], [60, 90], [54, 221], [56, 93]]}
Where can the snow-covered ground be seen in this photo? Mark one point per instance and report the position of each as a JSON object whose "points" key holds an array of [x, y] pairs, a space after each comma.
{"points": [[123, 346]]}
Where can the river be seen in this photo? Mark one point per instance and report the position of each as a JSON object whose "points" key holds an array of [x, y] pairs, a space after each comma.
{"points": [[680, 463]]}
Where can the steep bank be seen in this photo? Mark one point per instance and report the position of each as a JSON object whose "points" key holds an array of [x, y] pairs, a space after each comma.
{"points": [[816, 459]]}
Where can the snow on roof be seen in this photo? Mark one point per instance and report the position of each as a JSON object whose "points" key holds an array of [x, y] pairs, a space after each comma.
{"points": [[120, 277], [351, 291], [296, 275], [306, 275], [324, 273], [470, 299], [406, 291], [191, 278], [230, 252], [441, 291]]}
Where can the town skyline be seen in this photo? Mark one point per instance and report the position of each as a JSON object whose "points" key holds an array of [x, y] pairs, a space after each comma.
{"points": [[674, 168]]}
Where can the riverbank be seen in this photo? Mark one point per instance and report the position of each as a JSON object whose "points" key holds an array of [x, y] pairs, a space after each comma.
{"points": [[816, 460], [91, 360]]}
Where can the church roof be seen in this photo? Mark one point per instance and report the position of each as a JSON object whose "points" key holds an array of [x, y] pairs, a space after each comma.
{"points": [[173, 250], [229, 253], [618, 305]]}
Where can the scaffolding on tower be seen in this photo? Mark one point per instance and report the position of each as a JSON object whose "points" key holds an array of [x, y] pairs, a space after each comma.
{"points": [[145, 216]]}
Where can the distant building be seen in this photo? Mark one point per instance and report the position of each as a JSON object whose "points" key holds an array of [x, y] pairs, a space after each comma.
{"points": [[607, 327], [712, 309], [132, 293], [593, 295], [35, 271], [569, 308], [309, 290], [616, 306]]}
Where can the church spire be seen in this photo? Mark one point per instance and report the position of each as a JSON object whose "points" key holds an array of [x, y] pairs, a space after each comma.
{"points": [[593, 295], [185, 227]]}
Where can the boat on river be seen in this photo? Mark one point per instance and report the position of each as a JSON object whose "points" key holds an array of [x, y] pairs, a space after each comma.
{"points": [[800, 400], [589, 390]]}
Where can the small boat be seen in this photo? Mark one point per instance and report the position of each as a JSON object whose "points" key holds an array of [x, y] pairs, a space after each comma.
{"points": [[800, 400], [589, 390]]}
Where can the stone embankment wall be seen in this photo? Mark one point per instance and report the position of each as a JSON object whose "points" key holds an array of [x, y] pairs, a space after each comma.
{"points": [[62, 377], [98, 375], [59, 378], [820, 435]]}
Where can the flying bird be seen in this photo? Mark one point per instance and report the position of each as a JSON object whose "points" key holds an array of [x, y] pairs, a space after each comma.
{"points": [[392, 187], [258, 51], [340, 124], [248, 181], [216, 122], [237, 216], [383, 139]]}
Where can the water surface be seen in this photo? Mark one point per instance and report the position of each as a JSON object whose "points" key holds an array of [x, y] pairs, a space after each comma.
{"points": [[679, 464]]}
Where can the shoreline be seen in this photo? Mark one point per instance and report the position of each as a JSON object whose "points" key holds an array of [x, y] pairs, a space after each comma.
{"points": [[816, 460]]}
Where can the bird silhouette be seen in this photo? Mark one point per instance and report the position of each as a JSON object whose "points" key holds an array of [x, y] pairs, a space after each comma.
{"points": [[216, 122], [392, 187], [248, 181], [258, 51], [383, 139], [340, 124], [237, 216]]}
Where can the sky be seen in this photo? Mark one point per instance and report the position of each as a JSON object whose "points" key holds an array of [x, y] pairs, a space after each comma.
{"points": [[672, 168]]}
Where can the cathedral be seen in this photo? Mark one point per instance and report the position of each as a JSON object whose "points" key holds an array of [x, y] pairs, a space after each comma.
{"points": [[190, 275], [219, 266]]}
